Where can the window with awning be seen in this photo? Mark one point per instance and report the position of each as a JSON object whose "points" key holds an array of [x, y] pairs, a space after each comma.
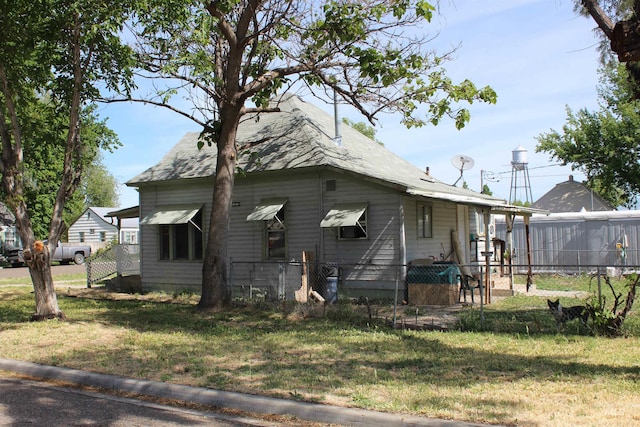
{"points": [[180, 231], [272, 212], [349, 218]]}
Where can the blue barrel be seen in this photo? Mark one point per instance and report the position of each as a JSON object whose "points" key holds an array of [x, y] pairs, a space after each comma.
{"points": [[331, 296]]}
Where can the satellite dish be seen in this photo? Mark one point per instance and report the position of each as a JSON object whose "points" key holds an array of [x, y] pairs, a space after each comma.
{"points": [[462, 163]]}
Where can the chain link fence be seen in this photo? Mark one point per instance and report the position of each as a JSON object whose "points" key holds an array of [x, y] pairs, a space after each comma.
{"points": [[120, 260]]}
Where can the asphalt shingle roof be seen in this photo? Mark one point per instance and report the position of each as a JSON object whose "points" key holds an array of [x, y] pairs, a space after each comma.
{"points": [[301, 135]]}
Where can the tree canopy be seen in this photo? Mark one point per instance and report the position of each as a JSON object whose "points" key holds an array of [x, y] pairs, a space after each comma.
{"points": [[365, 129]]}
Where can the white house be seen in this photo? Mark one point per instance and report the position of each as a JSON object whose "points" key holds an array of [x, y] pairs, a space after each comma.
{"points": [[97, 230]]}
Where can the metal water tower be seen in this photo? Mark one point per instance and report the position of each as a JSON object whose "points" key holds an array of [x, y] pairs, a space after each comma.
{"points": [[520, 182]]}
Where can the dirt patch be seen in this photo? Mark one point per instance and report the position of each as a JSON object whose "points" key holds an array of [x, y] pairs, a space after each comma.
{"points": [[102, 293]]}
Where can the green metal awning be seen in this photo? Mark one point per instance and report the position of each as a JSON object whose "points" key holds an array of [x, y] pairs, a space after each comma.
{"points": [[344, 215], [172, 214], [267, 209]]}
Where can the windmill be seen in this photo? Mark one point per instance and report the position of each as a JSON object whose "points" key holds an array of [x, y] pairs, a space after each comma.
{"points": [[462, 163]]}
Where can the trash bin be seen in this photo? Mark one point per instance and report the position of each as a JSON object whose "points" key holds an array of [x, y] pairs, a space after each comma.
{"points": [[331, 285]]}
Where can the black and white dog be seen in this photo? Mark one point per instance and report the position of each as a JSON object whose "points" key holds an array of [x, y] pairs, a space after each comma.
{"points": [[565, 314]]}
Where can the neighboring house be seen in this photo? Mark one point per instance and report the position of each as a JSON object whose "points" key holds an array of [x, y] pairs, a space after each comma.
{"points": [[572, 196], [97, 230], [344, 200]]}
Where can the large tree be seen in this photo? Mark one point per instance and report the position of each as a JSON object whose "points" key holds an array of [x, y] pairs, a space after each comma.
{"points": [[233, 56], [64, 50], [43, 132]]}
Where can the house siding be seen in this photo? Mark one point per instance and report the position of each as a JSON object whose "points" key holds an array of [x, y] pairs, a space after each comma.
{"points": [[170, 275], [247, 238], [308, 202], [369, 267], [443, 221], [383, 223]]}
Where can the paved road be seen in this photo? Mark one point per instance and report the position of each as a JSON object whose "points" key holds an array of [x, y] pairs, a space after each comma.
{"points": [[19, 272], [30, 403]]}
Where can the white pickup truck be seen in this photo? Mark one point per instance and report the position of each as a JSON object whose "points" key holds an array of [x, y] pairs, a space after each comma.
{"points": [[64, 253]]}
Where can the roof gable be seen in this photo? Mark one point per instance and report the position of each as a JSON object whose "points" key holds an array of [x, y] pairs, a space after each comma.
{"points": [[572, 196], [100, 213]]}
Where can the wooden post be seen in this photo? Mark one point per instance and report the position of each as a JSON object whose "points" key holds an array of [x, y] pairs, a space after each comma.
{"points": [[302, 294], [528, 238]]}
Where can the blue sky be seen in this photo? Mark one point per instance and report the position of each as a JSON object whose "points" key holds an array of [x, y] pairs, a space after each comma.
{"points": [[538, 55]]}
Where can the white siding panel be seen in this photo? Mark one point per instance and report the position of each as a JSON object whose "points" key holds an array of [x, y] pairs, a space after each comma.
{"points": [[308, 202], [247, 238], [165, 274], [383, 223], [443, 221]]}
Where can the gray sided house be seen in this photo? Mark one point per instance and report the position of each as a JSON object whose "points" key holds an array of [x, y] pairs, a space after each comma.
{"points": [[301, 190], [97, 230]]}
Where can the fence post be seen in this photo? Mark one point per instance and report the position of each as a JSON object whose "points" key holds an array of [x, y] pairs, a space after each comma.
{"points": [[230, 285], [481, 299], [395, 302], [599, 287], [88, 273]]}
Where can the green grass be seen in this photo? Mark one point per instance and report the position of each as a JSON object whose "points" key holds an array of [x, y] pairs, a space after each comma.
{"points": [[62, 279], [519, 370], [578, 282]]}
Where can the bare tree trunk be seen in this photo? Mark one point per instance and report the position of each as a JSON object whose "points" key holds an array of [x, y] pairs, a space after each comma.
{"points": [[38, 259], [598, 15], [12, 184], [215, 289]]}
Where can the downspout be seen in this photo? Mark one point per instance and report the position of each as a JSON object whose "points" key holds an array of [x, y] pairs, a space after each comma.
{"points": [[402, 253]]}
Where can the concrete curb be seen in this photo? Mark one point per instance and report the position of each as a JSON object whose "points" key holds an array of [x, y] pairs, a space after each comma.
{"points": [[224, 399]]}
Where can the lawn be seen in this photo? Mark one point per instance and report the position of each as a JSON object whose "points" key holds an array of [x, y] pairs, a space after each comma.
{"points": [[519, 371]]}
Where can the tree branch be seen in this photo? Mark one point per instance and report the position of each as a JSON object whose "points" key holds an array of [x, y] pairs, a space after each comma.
{"points": [[598, 15], [157, 104]]}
